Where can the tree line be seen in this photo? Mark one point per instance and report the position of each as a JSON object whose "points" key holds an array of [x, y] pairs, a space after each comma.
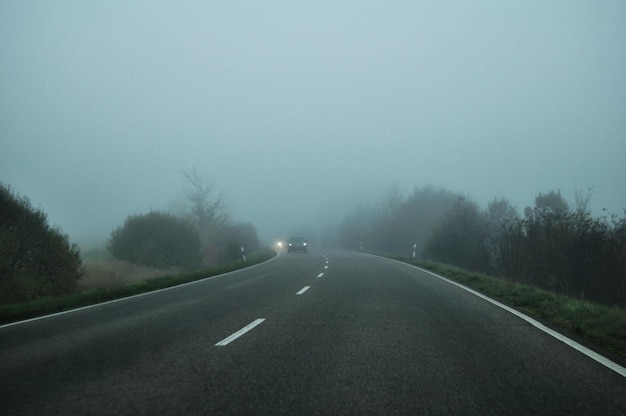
{"points": [[37, 260], [553, 245]]}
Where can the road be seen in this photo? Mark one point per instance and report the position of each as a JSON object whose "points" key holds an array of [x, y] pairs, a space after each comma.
{"points": [[328, 333]]}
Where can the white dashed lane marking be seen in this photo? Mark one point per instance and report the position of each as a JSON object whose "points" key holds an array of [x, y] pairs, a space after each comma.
{"points": [[239, 333], [304, 289]]}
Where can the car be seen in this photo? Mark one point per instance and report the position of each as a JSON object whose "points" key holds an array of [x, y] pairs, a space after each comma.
{"points": [[296, 244]]}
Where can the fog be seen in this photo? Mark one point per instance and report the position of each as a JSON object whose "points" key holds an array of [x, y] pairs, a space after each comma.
{"points": [[297, 112]]}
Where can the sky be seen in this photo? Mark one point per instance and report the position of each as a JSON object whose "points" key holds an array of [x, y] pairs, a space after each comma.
{"points": [[296, 111]]}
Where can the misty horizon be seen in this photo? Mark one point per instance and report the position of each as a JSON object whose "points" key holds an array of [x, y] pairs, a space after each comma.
{"points": [[298, 113]]}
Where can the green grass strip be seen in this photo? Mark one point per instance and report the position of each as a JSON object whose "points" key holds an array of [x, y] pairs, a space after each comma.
{"points": [[46, 306], [602, 325]]}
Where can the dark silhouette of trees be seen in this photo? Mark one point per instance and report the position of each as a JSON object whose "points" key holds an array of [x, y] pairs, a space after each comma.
{"points": [[36, 260], [503, 257], [554, 245], [566, 250], [461, 237]]}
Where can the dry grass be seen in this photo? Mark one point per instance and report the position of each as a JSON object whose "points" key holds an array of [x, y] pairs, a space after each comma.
{"points": [[106, 274]]}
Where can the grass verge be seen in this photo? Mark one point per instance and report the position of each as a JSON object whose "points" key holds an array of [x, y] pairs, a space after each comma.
{"points": [[602, 325], [26, 310]]}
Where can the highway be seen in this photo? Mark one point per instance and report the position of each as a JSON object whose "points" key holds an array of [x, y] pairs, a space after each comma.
{"points": [[321, 333]]}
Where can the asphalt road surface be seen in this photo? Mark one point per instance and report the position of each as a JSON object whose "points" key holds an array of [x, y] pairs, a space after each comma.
{"points": [[319, 333]]}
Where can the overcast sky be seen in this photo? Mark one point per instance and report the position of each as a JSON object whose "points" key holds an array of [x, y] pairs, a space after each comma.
{"points": [[297, 110]]}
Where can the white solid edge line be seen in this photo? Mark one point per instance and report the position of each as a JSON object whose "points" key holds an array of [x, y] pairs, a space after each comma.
{"points": [[320, 275], [133, 296], [304, 289], [239, 333], [568, 341]]}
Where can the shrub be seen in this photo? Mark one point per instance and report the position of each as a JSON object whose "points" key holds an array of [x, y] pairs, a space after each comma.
{"points": [[460, 238], [157, 240], [35, 259]]}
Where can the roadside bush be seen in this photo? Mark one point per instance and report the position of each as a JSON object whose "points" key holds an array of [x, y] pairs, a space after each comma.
{"points": [[157, 240], [225, 242], [569, 252], [35, 259], [237, 236], [460, 238]]}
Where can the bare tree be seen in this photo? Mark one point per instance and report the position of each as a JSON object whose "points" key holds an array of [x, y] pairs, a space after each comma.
{"points": [[204, 203]]}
